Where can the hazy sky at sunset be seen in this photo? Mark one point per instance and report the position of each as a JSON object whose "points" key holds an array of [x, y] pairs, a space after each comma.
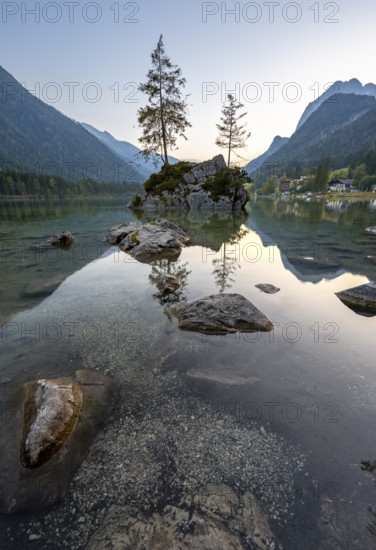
{"points": [[86, 59]]}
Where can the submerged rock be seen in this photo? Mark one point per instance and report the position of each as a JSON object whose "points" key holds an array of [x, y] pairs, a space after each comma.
{"points": [[212, 383], [64, 240], [157, 239], [361, 299], [46, 437], [210, 518], [220, 314], [43, 289], [268, 289]]}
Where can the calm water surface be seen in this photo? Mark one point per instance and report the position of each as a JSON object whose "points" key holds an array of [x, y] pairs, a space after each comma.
{"points": [[317, 368]]}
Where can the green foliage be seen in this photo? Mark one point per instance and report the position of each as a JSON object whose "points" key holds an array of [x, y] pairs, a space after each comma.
{"points": [[340, 173], [232, 136], [367, 183], [225, 181], [164, 118], [168, 178], [14, 183], [322, 175], [269, 187]]}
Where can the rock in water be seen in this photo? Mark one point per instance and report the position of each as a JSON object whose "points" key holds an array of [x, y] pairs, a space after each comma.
{"points": [[196, 190], [145, 243], [211, 518], [220, 314], [50, 414], [47, 434], [268, 289], [64, 240], [167, 284], [361, 299], [42, 289], [211, 384]]}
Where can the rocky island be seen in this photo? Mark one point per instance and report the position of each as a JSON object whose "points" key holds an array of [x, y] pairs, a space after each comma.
{"points": [[210, 185]]}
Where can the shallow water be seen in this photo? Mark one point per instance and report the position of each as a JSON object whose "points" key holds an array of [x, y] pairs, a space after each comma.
{"points": [[317, 371]]}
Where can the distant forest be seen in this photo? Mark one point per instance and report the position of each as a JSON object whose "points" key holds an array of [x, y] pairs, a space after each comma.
{"points": [[14, 183]]}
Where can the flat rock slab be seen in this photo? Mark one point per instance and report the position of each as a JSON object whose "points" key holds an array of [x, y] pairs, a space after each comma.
{"points": [[361, 299], [220, 314], [150, 241], [204, 382], [43, 289], [46, 435], [201, 520], [268, 289]]}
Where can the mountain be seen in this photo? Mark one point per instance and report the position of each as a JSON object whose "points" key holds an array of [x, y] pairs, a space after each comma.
{"points": [[128, 153], [352, 86], [36, 137], [340, 128], [255, 164]]}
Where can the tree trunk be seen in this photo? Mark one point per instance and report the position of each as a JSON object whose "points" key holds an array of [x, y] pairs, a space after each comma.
{"points": [[165, 159]]}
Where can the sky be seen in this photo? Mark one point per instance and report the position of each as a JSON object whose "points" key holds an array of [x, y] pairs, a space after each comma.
{"points": [[86, 59]]}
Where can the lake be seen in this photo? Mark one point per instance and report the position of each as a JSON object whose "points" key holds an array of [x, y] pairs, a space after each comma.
{"points": [[297, 443]]}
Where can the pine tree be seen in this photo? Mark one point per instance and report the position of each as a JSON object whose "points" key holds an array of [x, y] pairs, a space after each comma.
{"points": [[232, 136], [164, 119]]}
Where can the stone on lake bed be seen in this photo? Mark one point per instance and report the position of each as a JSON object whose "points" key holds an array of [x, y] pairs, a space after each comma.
{"points": [[361, 299], [47, 434], [220, 314], [42, 289], [267, 288], [147, 242], [211, 382]]}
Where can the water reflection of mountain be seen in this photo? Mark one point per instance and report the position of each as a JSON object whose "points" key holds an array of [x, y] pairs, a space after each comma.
{"points": [[331, 233]]}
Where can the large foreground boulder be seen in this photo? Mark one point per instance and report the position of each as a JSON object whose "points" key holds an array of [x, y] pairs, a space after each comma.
{"points": [[46, 435], [153, 240], [211, 518], [361, 299], [220, 314]]}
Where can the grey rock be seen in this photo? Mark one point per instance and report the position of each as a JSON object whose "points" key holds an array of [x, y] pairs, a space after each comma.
{"points": [[64, 240], [211, 383], [220, 314], [210, 518], [190, 194], [158, 239], [189, 178], [46, 437], [43, 289], [167, 284], [361, 299], [267, 288]]}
